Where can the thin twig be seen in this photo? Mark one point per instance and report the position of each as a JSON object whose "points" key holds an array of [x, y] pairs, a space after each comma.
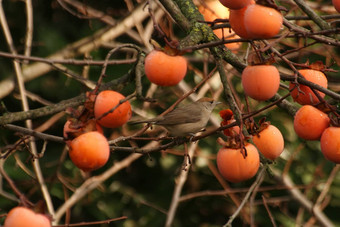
{"points": [[180, 181], [228, 92], [25, 106], [307, 33], [265, 203], [13, 186], [252, 199], [327, 186], [302, 199], [237, 190], [246, 197], [52, 61], [312, 15], [79, 47], [34, 133], [29, 27], [94, 182], [108, 221]]}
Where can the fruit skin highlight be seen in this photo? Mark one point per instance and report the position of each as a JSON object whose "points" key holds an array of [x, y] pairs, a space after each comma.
{"points": [[163, 69], [105, 101], [262, 22], [269, 142], [89, 151], [260, 82], [25, 217], [234, 167], [310, 122], [307, 96], [330, 144]]}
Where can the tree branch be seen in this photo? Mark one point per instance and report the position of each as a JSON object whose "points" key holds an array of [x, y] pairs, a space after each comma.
{"points": [[312, 15], [117, 85]]}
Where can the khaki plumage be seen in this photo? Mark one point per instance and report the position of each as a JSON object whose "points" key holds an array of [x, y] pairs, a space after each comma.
{"points": [[185, 120]]}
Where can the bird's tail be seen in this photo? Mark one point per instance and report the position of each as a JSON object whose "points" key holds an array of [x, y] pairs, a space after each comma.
{"points": [[139, 121]]}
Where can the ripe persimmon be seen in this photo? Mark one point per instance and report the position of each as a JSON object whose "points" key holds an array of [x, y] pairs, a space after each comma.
{"points": [[22, 216], [260, 82], [330, 144], [234, 167], [262, 22], [235, 4], [336, 4], [236, 21], [89, 151], [227, 34], [269, 142], [310, 122], [105, 102], [212, 10], [163, 69], [307, 96]]}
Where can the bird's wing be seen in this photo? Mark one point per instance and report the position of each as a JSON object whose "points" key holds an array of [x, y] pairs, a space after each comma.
{"points": [[172, 118]]}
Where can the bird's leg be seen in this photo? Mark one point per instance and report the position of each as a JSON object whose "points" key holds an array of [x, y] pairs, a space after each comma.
{"points": [[192, 135]]}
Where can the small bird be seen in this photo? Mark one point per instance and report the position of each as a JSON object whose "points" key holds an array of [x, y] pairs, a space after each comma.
{"points": [[185, 120]]}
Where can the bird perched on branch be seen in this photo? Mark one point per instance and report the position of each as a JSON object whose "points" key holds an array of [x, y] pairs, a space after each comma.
{"points": [[187, 119]]}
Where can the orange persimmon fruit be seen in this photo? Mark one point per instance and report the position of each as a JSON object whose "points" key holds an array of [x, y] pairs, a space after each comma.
{"points": [[89, 151], [212, 10], [234, 167], [269, 142], [307, 96], [25, 217], [262, 22], [236, 21], [310, 122], [163, 69], [260, 82], [330, 144], [336, 4], [226, 34], [105, 102]]}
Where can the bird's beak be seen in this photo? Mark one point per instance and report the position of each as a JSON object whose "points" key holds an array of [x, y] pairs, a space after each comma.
{"points": [[217, 103]]}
